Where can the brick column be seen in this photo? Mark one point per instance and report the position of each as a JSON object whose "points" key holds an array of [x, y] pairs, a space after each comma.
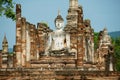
{"points": [[32, 41], [80, 38], [28, 44], [23, 41], [18, 49]]}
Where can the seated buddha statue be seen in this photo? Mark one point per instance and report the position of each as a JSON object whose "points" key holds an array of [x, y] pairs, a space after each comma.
{"points": [[58, 39], [105, 39]]}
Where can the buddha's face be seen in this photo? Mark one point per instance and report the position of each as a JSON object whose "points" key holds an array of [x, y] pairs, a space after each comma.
{"points": [[59, 24]]}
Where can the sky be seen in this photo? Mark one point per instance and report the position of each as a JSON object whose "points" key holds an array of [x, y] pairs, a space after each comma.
{"points": [[102, 13]]}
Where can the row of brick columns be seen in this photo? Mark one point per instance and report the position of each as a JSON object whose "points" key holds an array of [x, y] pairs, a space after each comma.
{"points": [[30, 41], [23, 34]]}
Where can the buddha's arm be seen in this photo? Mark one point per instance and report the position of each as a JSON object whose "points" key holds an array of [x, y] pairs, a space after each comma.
{"points": [[49, 41]]}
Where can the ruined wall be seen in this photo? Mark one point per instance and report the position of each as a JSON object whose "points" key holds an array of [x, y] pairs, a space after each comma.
{"points": [[25, 40], [30, 41]]}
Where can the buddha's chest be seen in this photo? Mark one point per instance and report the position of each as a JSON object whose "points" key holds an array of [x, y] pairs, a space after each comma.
{"points": [[58, 36]]}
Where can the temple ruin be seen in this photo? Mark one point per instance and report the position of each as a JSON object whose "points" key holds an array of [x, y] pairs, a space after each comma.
{"points": [[66, 53]]}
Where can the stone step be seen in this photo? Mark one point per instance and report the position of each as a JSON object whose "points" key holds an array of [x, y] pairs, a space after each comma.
{"points": [[53, 61]]}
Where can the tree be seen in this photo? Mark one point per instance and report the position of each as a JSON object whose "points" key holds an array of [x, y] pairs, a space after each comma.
{"points": [[6, 8], [117, 52], [96, 40]]}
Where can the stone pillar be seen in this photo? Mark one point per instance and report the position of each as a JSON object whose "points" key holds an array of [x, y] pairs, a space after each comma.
{"points": [[32, 42], [37, 48], [92, 45], [18, 55], [37, 45], [80, 38], [18, 49], [14, 60], [73, 40], [10, 61], [23, 41], [14, 57], [76, 29], [39, 32], [41, 35], [81, 46], [28, 45]]}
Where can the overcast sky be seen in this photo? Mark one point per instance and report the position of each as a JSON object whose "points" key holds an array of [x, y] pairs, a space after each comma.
{"points": [[102, 13]]}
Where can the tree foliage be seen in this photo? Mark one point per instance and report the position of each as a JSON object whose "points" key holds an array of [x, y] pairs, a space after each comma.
{"points": [[96, 40], [45, 24], [6, 8], [116, 43]]}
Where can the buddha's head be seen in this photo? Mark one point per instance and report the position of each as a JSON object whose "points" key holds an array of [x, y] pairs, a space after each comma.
{"points": [[59, 22]]}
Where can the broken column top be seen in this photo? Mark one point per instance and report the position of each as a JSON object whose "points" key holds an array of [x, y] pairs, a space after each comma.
{"points": [[18, 8]]}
